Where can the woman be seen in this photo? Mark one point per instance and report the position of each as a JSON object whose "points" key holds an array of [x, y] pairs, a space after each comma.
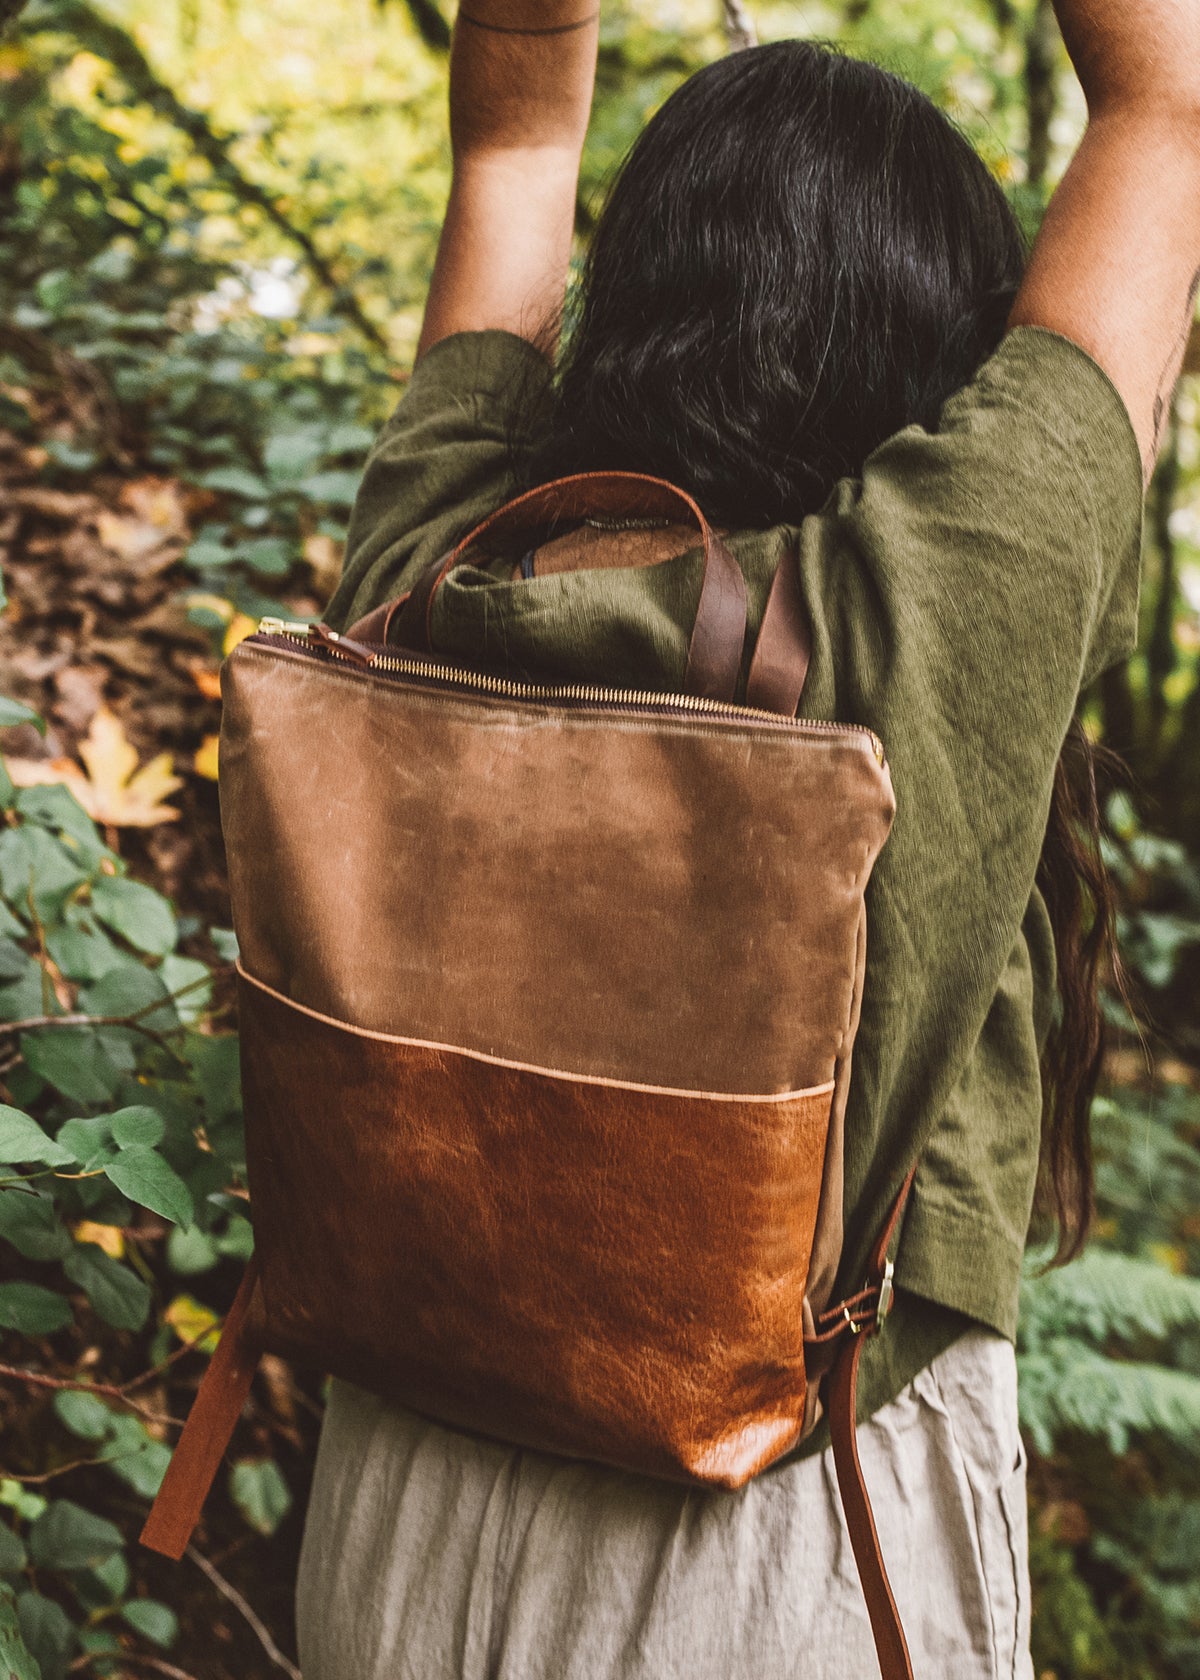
{"points": [[807, 304]]}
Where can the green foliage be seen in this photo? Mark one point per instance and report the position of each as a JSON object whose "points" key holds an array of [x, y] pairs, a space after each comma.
{"points": [[137, 1109]]}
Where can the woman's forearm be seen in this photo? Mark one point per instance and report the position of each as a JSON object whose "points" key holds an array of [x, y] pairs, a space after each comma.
{"points": [[1135, 53], [1116, 265], [521, 75]]}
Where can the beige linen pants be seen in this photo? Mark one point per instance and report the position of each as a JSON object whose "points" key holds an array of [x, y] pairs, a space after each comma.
{"points": [[432, 1555]]}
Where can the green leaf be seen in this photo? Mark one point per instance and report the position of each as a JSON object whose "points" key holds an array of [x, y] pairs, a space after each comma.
{"points": [[236, 481], [83, 1414], [16, 1661], [47, 1631], [12, 1552], [131, 990], [260, 1493], [335, 487], [146, 1178], [14, 962], [237, 1240], [86, 1137], [32, 1310], [30, 1222], [66, 1536], [191, 1252], [113, 1576], [136, 912], [269, 556], [136, 1458], [81, 950], [13, 712], [137, 1126], [193, 979], [55, 807], [71, 1059], [156, 1621], [118, 1295], [32, 860], [224, 943], [23, 1140]]}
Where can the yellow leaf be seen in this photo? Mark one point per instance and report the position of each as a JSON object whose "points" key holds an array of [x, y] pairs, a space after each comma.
{"points": [[240, 626], [113, 790], [190, 1319], [214, 603], [205, 761], [110, 1238]]}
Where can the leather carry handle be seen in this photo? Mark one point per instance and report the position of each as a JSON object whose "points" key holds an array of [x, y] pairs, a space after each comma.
{"points": [[715, 648], [783, 646]]}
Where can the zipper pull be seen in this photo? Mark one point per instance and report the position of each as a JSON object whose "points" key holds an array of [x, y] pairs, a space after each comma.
{"points": [[359, 652], [283, 627]]}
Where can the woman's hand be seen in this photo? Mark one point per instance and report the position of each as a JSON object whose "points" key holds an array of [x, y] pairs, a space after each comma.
{"points": [[1116, 266], [521, 75]]}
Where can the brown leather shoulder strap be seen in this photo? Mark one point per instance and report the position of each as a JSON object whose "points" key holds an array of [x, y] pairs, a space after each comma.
{"points": [[849, 1324], [781, 652], [215, 1410]]}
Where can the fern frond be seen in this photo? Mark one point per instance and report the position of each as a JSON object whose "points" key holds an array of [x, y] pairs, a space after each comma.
{"points": [[1067, 1387], [1105, 1297]]}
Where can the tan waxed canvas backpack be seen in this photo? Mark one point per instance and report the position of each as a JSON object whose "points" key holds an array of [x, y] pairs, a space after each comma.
{"points": [[547, 997]]}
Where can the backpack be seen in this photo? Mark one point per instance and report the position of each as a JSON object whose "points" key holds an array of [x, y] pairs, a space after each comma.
{"points": [[547, 996]]}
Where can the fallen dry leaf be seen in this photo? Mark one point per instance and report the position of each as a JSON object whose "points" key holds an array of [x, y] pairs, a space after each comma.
{"points": [[110, 1238], [239, 628], [205, 761], [207, 680], [113, 790]]}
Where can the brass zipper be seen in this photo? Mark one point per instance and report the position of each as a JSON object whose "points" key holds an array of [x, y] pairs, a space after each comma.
{"points": [[323, 640]]}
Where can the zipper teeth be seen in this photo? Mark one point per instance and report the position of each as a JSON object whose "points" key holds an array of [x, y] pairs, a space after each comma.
{"points": [[507, 689]]}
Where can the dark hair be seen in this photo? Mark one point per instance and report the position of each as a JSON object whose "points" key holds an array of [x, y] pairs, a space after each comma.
{"points": [[801, 256]]}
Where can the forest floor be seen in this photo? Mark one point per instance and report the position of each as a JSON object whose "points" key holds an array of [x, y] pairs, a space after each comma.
{"points": [[98, 617]]}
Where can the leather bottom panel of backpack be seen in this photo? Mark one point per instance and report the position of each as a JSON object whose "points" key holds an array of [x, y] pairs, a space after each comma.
{"points": [[608, 1271]]}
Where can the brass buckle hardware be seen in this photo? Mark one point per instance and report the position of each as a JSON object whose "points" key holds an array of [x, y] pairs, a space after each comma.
{"points": [[887, 1294]]}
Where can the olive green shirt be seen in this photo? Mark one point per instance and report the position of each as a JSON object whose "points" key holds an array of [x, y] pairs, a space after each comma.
{"points": [[961, 592]]}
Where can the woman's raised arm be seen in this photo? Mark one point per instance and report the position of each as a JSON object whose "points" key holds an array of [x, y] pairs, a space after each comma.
{"points": [[521, 75], [1116, 266]]}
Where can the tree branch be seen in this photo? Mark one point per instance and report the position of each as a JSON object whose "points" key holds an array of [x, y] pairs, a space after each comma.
{"points": [[109, 41]]}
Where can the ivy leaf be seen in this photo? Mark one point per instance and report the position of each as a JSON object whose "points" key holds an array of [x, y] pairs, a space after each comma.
{"points": [[32, 1310], [66, 1536], [146, 1178], [23, 1140], [120, 1297], [136, 912], [260, 1493], [156, 1621]]}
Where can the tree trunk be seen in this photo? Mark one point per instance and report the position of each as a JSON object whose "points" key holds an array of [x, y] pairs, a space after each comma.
{"points": [[1041, 90]]}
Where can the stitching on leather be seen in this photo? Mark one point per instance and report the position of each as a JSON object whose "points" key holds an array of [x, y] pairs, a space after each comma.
{"points": [[824, 1090]]}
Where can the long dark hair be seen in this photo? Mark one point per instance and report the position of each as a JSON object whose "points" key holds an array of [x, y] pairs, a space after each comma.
{"points": [[855, 262]]}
